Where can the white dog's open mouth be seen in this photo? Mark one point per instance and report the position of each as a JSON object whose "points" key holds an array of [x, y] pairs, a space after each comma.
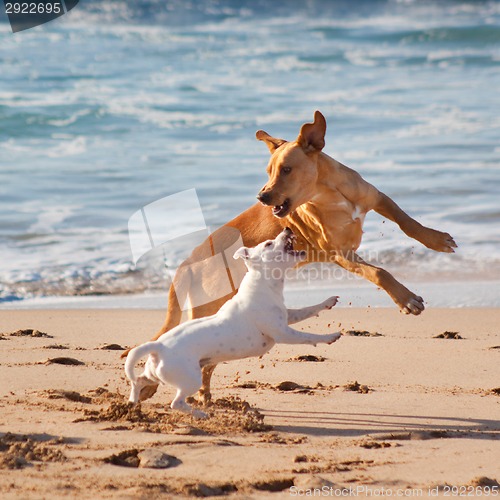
{"points": [[289, 247], [283, 209]]}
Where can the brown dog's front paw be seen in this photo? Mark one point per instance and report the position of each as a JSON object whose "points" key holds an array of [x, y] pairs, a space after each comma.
{"points": [[147, 392], [440, 242], [415, 305], [446, 244]]}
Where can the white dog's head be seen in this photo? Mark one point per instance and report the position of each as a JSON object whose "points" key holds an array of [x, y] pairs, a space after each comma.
{"points": [[272, 254]]}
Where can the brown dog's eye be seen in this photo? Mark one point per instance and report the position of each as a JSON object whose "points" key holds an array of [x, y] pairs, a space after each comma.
{"points": [[268, 244], [286, 170]]}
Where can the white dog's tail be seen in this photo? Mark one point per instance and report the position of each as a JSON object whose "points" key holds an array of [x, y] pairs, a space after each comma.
{"points": [[136, 354]]}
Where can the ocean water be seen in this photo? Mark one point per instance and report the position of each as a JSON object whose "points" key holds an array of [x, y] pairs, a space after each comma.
{"points": [[122, 103]]}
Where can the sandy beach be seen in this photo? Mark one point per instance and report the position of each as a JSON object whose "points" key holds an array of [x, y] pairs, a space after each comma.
{"points": [[387, 409]]}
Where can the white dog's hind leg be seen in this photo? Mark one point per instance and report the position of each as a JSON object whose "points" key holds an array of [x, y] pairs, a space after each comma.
{"points": [[288, 335], [187, 384], [297, 315], [179, 403]]}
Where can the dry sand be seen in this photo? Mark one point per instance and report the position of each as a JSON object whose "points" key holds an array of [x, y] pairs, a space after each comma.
{"points": [[424, 413]]}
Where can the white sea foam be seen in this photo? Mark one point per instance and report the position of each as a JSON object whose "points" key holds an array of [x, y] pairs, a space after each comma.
{"points": [[76, 146], [444, 294], [70, 120], [440, 55], [444, 121]]}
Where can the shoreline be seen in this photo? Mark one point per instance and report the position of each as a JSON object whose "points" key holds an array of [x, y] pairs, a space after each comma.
{"points": [[355, 293], [426, 419]]}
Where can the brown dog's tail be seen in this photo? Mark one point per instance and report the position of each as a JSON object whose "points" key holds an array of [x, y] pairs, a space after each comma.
{"points": [[173, 318]]}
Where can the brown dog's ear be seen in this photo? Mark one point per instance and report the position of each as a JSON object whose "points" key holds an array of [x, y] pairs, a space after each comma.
{"points": [[273, 143], [312, 135]]}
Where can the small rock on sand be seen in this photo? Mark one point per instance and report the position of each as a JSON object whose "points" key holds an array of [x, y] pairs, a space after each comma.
{"points": [[112, 347], [309, 358], [361, 333], [64, 361], [29, 332], [484, 481], [449, 335], [357, 387], [288, 385], [156, 459]]}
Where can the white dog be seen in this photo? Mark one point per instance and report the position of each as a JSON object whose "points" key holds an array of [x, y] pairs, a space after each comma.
{"points": [[247, 325]]}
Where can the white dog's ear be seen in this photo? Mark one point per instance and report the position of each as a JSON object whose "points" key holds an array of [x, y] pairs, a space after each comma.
{"points": [[241, 253]]}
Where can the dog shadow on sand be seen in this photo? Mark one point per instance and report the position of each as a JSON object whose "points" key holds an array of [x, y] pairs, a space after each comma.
{"points": [[382, 426]]}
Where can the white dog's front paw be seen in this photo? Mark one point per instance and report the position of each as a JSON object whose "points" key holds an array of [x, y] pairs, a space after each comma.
{"points": [[329, 303], [333, 337]]}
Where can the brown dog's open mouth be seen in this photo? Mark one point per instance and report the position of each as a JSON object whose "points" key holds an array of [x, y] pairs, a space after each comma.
{"points": [[289, 247], [283, 209]]}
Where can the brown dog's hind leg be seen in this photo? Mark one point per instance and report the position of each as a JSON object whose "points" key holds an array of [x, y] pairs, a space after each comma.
{"points": [[147, 392], [174, 312], [435, 240], [173, 318], [408, 302], [204, 394]]}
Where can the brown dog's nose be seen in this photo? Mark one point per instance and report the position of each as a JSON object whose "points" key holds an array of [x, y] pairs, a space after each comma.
{"points": [[264, 197]]}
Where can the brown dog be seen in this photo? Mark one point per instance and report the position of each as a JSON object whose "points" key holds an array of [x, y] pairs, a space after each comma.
{"points": [[324, 203]]}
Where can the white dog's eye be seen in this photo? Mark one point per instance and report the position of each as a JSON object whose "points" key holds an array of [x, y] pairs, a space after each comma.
{"points": [[268, 244]]}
